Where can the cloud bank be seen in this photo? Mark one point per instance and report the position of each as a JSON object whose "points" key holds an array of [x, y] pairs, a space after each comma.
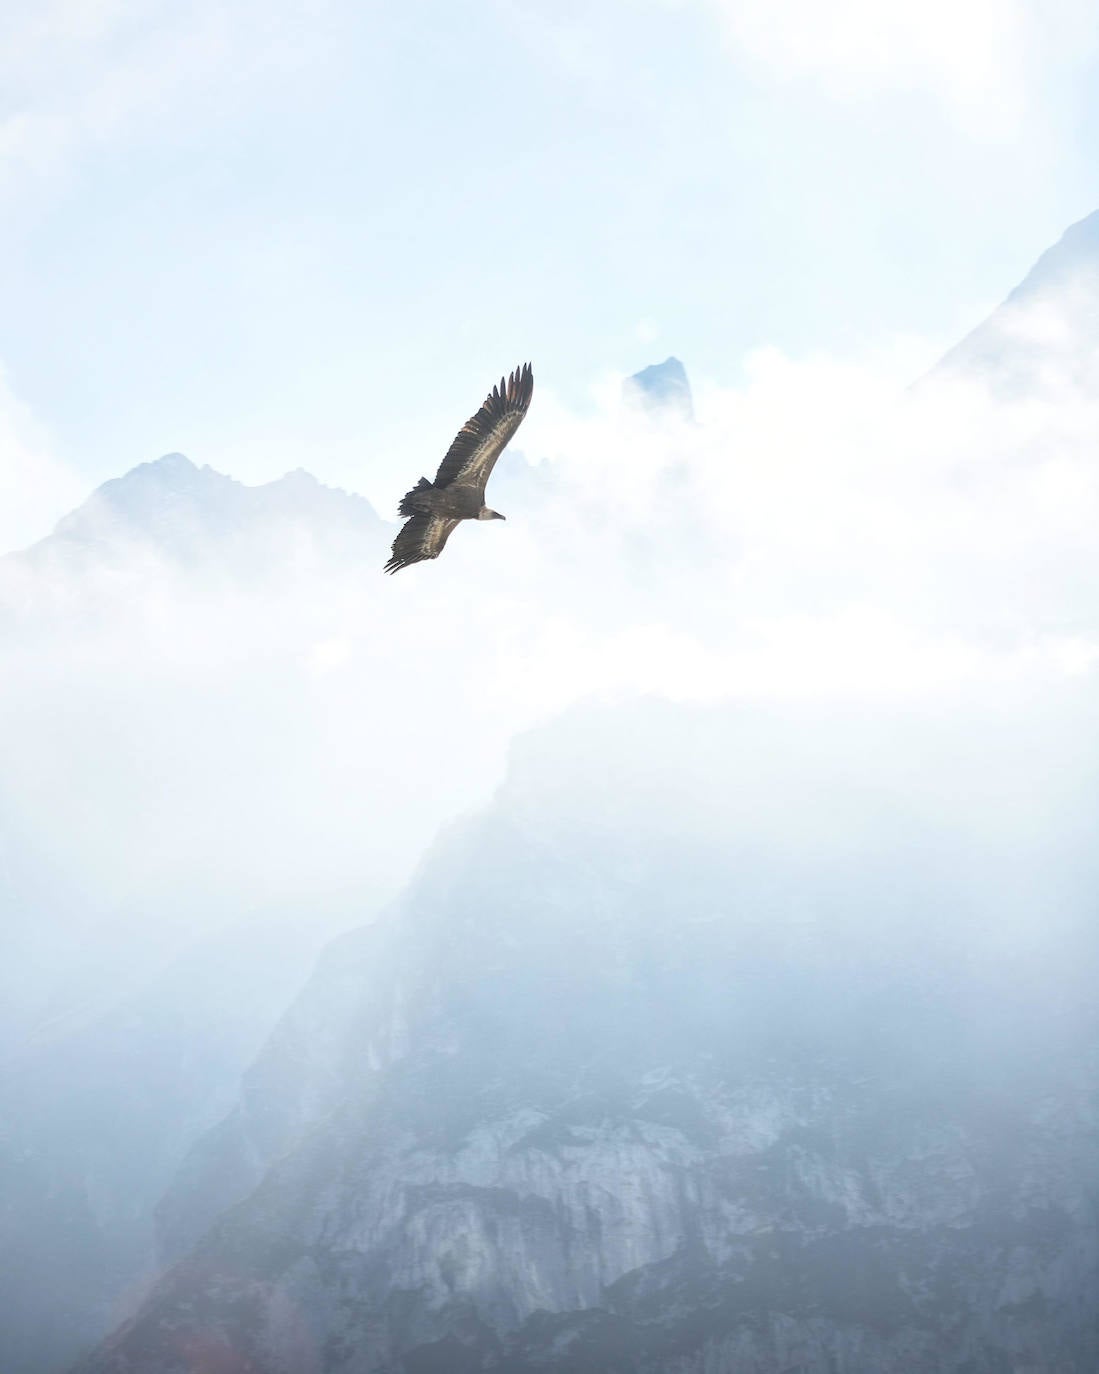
{"points": [[213, 718], [987, 65], [37, 488]]}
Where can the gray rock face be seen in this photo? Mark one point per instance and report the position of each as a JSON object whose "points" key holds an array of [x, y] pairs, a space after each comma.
{"points": [[642, 1077]]}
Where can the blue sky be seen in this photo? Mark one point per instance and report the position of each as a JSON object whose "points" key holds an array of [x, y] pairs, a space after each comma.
{"points": [[308, 233]]}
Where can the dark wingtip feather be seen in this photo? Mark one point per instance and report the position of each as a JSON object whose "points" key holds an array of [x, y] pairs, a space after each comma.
{"points": [[520, 386], [397, 561]]}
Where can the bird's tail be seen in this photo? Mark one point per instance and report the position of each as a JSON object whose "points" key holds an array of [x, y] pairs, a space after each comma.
{"points": [[415, 502]]}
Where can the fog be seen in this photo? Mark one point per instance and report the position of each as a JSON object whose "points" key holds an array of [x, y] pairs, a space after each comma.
{"points": [[259, 713], [214, 709], [221, 717]]}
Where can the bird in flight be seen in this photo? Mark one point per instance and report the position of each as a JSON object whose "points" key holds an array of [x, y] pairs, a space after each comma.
{"points": [[433, 509]]}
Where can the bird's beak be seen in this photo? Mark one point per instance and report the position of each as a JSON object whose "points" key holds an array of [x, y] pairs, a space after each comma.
{"points": [[500, 517]]}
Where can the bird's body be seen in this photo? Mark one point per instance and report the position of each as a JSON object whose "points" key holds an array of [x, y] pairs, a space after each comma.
{"points": [[434, 509]]}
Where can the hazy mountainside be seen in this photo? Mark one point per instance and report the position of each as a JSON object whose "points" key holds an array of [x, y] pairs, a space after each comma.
{"points": [[1044, 340], [133, 729], [298, 1079], [136, 986], [191, 514], [116, 762], [731, 1053], [99, 1110], [584, 1044], [209, 694]]}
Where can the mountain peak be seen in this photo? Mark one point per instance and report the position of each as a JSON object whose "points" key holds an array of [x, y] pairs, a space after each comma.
{"points": [[148, 499], [188, 513], [172, 470], [169, 462], [298, 479], [661, 388]]}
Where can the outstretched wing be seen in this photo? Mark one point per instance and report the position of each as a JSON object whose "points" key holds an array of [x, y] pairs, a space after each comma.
{"points": [[423, 536], [484, 436]]}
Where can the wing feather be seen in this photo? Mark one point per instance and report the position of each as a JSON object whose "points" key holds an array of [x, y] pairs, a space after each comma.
{"points": [[421, 537], [484, 436]]}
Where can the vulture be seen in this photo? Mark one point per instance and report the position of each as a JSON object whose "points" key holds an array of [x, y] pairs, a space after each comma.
{"points": [[433, 509]]}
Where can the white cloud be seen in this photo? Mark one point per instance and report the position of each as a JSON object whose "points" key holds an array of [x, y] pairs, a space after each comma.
{"points": [[80, 72], [984, 61], [818, 536], [35, 488], [304, 728]]}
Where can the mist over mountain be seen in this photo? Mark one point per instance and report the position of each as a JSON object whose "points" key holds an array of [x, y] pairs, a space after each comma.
{"points": [[174, 514], [123, 738], [731, 1053], [745, 1028], [100, 1105], [134, 992], [205, 780]]}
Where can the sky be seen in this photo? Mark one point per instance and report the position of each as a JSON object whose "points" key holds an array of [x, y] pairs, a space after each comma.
{"points": [[275, 234], [312, 232]]}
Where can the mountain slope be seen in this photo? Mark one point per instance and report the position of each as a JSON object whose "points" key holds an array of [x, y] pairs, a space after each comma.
{"points": [[200, 519], [100, 1113], [214, 700], [1044, 339], [138, 979], [666, 1066]]}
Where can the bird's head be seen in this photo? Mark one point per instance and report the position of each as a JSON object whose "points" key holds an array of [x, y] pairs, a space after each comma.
{"points": [[485, 514]]}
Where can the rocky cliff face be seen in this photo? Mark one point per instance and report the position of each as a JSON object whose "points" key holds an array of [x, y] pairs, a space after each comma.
{"points": [[659, 1070]]}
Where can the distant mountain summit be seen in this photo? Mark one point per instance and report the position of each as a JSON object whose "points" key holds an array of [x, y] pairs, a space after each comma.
{"points": [[662, 388], [170, 499], [174, 511], [1044, 338], [158, 501]]}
